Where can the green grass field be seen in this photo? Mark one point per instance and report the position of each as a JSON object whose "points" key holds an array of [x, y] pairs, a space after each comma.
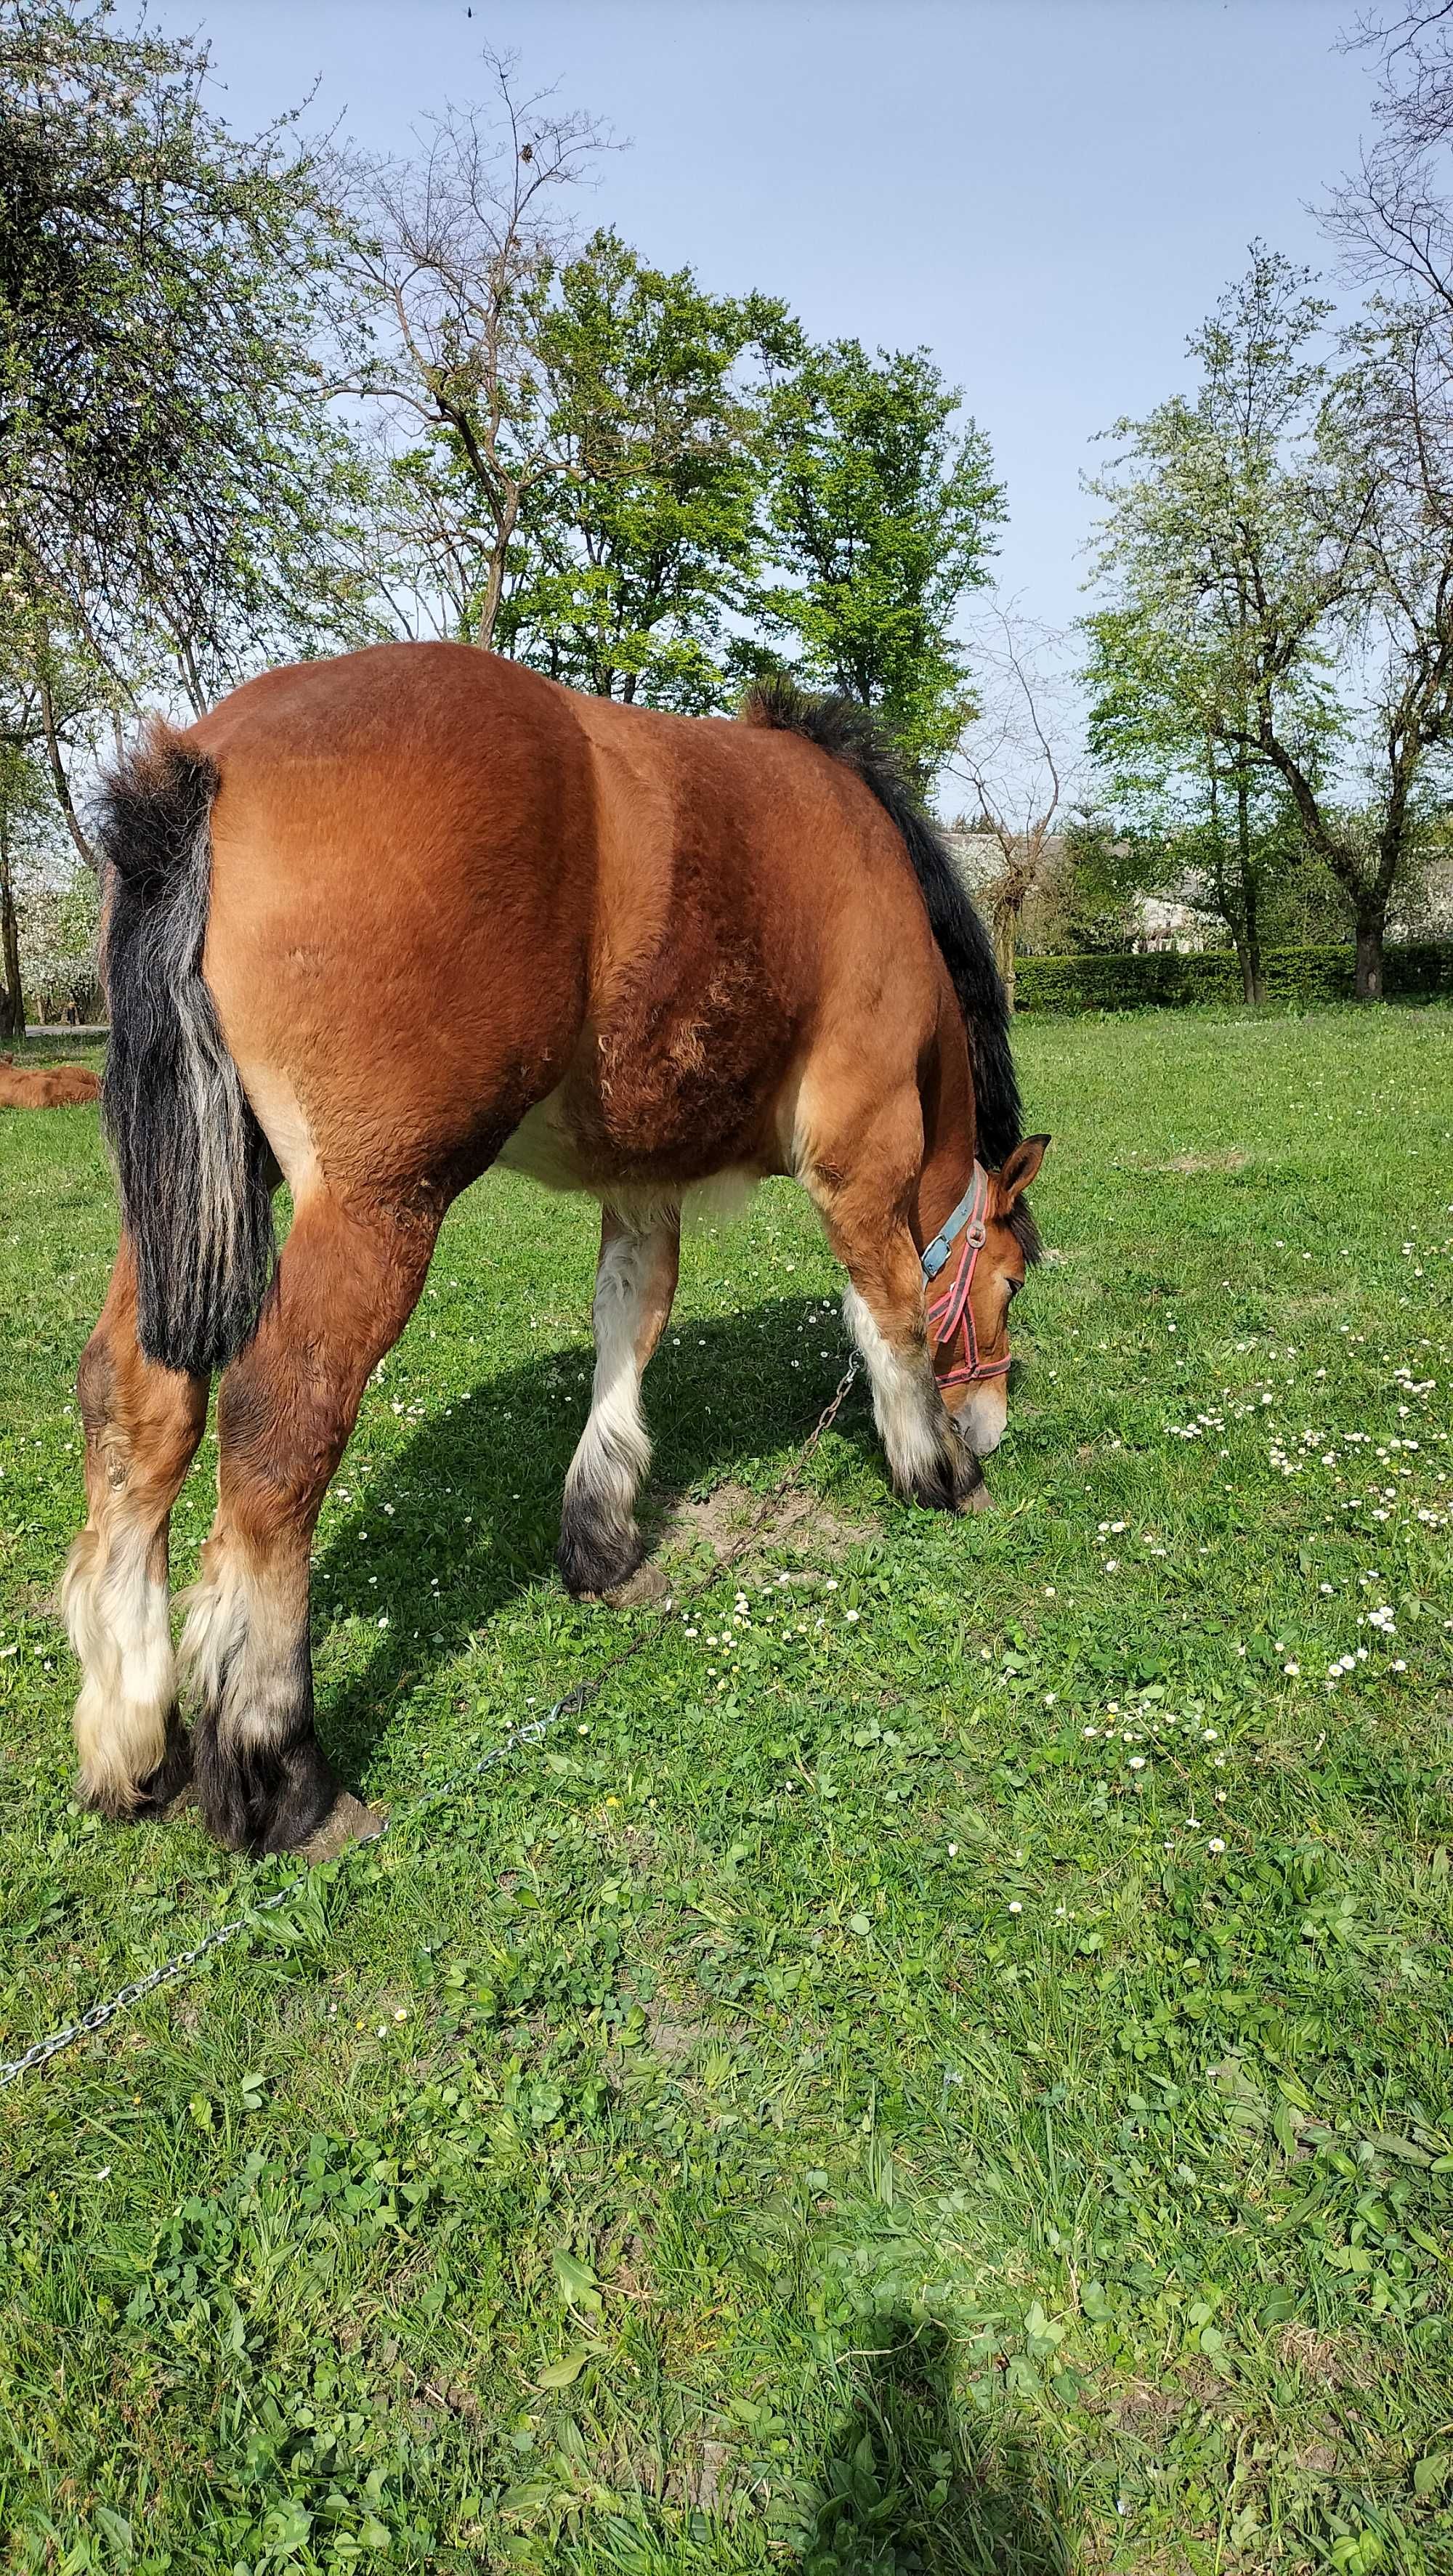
{"points": [[946, 2066]]}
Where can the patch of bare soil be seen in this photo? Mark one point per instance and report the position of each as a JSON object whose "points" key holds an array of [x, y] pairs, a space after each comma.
{"points": [[1318, 2459], [671, 2041], [1333, 2360], [1227, 1161], [715, 2459], [799, 1521], [1146, 2409]]}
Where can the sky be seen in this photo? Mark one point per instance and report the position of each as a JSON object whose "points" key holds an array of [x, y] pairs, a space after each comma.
{"points": [[1048, 194]]}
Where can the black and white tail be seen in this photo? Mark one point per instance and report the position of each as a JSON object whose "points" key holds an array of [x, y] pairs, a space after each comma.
{"points": [[192, 1163]]}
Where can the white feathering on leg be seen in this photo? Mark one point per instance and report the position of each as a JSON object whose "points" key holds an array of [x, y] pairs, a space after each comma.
{"points": [[906, 1403]]}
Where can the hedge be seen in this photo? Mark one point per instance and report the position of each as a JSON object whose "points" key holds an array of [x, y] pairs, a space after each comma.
{"points": [[1421, 970]]}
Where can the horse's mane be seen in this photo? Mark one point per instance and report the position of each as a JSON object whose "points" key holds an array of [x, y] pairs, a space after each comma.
{"points": [[851, 733]]}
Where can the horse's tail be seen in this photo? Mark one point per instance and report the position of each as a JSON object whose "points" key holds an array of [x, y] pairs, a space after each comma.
{"points": [[851, 733], [192, 1162]]}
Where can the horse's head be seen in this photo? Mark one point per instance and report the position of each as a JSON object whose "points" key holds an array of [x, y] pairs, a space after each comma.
{"points": [[986, 1265]]}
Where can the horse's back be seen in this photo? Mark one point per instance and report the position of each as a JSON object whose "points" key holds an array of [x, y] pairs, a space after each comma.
{"points": [[445, 889]]}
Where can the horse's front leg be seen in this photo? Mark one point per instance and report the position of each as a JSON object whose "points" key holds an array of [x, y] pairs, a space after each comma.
{"points": [[600, 1545], [862, 1176]]}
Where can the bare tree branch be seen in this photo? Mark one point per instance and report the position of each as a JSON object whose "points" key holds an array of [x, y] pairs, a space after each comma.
{"points": [[1017, 756], [451, 250]]}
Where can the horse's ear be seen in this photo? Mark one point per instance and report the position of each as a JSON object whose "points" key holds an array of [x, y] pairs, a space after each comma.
{"points": [[1019, 1169]]}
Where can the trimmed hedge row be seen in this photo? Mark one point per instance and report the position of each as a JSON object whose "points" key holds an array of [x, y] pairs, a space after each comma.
{"points": [[1420, 970]]}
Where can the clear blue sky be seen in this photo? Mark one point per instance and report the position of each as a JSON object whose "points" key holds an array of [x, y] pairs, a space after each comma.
{"points": [[1048, 193]]}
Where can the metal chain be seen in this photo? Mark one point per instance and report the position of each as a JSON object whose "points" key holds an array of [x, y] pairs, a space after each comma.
{"points": [[570, 1704]]}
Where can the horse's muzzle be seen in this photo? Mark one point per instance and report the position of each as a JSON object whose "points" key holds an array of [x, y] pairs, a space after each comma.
{"points": [[983, 1415]]}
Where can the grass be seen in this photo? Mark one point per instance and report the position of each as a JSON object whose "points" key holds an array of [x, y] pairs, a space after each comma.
{"points": [[955, 2078]]}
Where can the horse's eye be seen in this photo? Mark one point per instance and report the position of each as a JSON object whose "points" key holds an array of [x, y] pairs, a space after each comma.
{"points": [[1013, 1286]]}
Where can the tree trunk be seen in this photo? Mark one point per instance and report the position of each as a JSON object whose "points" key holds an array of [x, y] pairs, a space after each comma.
{"points": [[1371, 923], [1252, 978], [1248, 946], [58, 774], [12, 997], [506, 522], [1008, 945]]}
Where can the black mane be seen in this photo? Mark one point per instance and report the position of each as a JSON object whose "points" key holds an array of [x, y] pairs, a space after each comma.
{"points": [[851, 733]]}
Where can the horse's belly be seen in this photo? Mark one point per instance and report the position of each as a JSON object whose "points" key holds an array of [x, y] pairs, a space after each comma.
{"points": [[545, 1149]]}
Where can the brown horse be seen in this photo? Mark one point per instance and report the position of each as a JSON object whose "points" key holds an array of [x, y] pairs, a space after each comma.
{"points": [[45, 1086], [377, 923]]}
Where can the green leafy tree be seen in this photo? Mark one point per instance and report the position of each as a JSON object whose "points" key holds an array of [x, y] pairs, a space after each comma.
{"points": [[879, 519], [59, 904], [23, 800], [1279, 553], [170, 487], [48, 711], [1106, 870], [1389, 426], [1214, 824], [644, 537]]}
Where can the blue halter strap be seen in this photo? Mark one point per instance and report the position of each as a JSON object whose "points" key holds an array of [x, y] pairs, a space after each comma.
{"points": [[970, 1213]]}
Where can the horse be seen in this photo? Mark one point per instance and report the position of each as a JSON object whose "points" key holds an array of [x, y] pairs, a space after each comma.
{"points": [[45, 1086], [376, 923]]}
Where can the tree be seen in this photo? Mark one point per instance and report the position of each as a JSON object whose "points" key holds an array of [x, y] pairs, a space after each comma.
{"points": [[58, 903], [168, 480], [1107, 870], [1015, 756], [631, 552], [451, 252], [19, 803], [1385, 427], [1393, 220], [879, 518], [1275, 549], [1182, 777], [1394, 413], [48, 899], [47, 708]]}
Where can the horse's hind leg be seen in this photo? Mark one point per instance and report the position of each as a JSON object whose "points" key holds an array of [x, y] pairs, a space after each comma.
{"points": [[346, 1286], [862, 1173], [142, 1426], [600, 1545]]}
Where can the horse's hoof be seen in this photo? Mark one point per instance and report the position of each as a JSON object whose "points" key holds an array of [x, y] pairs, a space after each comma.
{"points": [[348, 1821], [647, 1584], [977, 1499]]}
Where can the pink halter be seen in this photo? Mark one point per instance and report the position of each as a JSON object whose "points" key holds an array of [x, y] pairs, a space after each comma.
{"points": [[952, 1312]]}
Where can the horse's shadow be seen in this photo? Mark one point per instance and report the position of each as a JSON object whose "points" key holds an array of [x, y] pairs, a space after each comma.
{"points": [[911, 2486], [465, 1515]]}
